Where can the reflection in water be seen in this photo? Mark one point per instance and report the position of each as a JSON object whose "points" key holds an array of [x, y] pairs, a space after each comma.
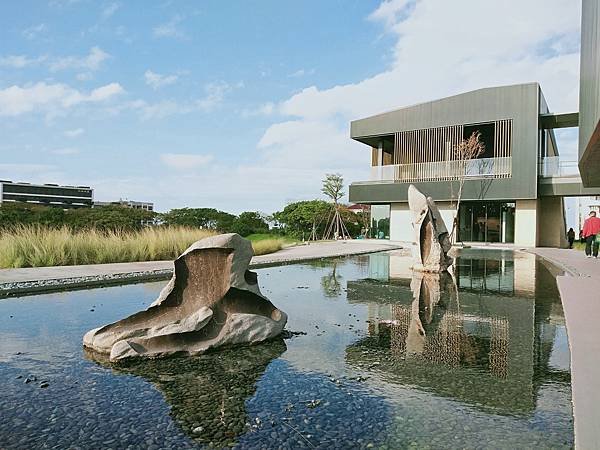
{"points": [[332, 282], [458, 338], [207, 393]]}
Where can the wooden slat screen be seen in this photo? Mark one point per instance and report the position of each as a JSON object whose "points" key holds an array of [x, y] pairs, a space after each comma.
{"points": [[428, 154]]}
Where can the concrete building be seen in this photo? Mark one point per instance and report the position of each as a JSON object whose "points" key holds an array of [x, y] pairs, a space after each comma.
{"points": [[65, 197], [589, 94], [513, 192], [146, 206]]}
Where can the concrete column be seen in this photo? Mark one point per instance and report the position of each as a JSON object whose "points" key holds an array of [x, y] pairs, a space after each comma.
{"points": [[401, 223], [551, 223], [526, 223]]}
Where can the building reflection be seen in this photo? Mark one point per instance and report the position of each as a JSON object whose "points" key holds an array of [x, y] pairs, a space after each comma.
{"points": [[484, 335]]}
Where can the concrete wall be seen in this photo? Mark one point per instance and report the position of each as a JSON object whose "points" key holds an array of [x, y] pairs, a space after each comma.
{"points": [[526, 223], [551, 223], [401, 220], [589, 94]]}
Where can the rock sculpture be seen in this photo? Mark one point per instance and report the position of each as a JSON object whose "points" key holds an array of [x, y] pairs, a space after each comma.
{"points": [[431, 236], [212, 300]]}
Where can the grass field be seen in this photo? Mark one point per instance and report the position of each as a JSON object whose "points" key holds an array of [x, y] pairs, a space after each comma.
{"points": [[264, 243], [34, 246]]}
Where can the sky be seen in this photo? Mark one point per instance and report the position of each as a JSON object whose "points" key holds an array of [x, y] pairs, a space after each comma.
{"points": [[245, 105]]}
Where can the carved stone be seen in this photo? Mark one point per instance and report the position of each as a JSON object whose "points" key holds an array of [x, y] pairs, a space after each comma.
{"points": [[431, 236], [212, 300]]}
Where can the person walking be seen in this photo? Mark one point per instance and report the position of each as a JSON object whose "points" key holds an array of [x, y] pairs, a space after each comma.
{"points": [[571, 237], [591, 228]]}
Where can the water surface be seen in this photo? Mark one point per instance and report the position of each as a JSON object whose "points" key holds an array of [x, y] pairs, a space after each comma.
{"points": [[485, 364]]}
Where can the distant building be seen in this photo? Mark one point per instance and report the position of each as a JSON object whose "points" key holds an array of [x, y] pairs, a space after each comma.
{"points": [[146, 206], [359, 208], [65, 197]]}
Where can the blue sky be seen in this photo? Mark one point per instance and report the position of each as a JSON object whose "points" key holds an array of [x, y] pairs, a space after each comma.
{"points": [[245, 105]]}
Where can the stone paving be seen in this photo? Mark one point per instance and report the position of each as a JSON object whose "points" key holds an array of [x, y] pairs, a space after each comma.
{"points": [[580, 294], [39, 279]]}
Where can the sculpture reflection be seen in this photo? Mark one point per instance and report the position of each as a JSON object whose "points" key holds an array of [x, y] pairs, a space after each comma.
{"points": [[484, 339], [207, 393]]}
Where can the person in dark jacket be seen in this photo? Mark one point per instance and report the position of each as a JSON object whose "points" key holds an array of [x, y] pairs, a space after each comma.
{"points": [[571, 237]]}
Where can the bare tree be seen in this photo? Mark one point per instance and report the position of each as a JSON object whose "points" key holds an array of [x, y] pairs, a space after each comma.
{"points": [[332, 188], [466, 151]]}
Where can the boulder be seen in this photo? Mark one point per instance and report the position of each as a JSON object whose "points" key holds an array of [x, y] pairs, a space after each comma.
{"points": [[211, 300], [432, 242]]}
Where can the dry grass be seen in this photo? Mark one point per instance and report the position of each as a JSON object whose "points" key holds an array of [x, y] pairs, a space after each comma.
{"points": [[265, 246], [34, 246]]}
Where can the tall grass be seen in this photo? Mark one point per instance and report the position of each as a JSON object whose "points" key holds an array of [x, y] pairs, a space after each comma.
{"points": [[36, 246], [264, 246]]}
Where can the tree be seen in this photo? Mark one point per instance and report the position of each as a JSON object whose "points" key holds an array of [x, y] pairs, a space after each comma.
{"points": [[304, 217], [466, 151], [248, 223], [332, 188], [208, 218]]}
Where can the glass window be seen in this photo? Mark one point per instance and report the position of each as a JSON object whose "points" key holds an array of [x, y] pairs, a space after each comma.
{"points": [[380, 222]]}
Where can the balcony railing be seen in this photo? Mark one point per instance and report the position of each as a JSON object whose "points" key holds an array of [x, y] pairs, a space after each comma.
{"points": [[555, 166], [443, 170]]}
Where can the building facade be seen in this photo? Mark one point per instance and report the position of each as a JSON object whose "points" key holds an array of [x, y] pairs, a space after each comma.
{"points": [[511, 192], [146, 206], [589, 94], [65, 197]]}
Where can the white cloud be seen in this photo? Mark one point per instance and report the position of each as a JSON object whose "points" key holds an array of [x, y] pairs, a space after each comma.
{"points": [[33, 31], [65, 151], [74, 133], [19, 61], [266, 109], [110, 9], [185, 161], [156, 80], [214, 95], [301, 72], [105, 92], [170, 28], [92, 61], [50, 98]]}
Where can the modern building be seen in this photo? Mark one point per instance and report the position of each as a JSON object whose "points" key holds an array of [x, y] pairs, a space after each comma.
{"points": [[146, 206], [589, 94], [512, 193], [65, 197]]}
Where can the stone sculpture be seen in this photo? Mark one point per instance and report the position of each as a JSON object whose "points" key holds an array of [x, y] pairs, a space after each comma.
{"points": [[211, 300], [431, 236]]}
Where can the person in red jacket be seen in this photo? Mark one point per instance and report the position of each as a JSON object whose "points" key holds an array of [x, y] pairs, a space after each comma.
{"points": [[591, 228]]}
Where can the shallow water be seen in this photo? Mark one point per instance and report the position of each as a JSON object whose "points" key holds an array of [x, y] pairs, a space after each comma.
{"points": [[482, 366]]}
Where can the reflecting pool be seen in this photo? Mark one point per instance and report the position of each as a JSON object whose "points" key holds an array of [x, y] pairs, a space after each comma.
{"points": [[376, 358]]}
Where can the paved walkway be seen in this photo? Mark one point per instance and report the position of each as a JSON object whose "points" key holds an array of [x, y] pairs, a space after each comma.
{"points": [[38, 279], [580, 294]]}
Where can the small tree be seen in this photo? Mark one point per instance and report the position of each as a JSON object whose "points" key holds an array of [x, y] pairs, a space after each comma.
{"points": [[464, 152], [332, 188]]}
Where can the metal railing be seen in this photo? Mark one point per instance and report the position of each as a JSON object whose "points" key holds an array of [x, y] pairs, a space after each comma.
{"points": [[443, 170], [555, 166]]}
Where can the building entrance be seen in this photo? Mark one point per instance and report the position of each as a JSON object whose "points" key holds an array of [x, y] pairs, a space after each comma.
{"points": [[487, 222]]}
